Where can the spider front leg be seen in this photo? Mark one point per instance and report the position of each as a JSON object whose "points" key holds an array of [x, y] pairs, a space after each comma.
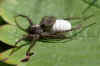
{"points": [[23, 38], [17, 41], [28, 53], [29, 20]]}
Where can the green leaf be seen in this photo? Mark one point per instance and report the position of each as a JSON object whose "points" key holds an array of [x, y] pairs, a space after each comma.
{"points": [[83, 50], [4, 64]]}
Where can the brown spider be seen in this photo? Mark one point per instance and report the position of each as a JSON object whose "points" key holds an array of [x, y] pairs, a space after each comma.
{"points": [[48, 27]]}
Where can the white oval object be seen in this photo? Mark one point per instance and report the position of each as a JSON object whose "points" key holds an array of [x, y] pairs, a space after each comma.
{"points": [[61, 25]]}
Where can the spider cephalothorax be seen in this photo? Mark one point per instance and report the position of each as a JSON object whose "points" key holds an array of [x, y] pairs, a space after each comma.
{"points": [[49, 27], [34, 29]]}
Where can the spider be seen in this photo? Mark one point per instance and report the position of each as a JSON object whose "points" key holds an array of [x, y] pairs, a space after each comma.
{"points": [[49, 26]]}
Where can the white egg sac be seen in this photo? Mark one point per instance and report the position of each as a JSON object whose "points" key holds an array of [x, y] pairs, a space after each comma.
{"points": [[61, 25]]}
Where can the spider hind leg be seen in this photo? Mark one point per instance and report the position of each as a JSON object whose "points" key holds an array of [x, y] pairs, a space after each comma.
{"points": [[28, 53]]}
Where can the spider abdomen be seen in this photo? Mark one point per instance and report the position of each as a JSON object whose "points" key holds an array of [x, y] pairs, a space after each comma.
{"points": [[61, 25]]}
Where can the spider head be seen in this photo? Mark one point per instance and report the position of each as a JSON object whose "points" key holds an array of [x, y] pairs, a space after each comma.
{"points": [[34, 29]]}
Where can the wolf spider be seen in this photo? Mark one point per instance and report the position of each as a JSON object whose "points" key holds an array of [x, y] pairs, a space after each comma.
{"points": [[42, 30]]}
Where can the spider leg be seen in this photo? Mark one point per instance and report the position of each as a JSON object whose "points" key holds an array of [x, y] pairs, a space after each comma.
{"points": [[75, 28], [19, 25], [47, 35], [29, 20], [61, 36], [72, 18], [75, 18], [17, 41], [28, 54], [50, 35], [12, 51], [80, 26]]}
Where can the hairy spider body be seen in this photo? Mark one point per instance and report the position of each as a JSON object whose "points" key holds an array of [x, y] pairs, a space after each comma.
{"points": [[49, 27]]}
